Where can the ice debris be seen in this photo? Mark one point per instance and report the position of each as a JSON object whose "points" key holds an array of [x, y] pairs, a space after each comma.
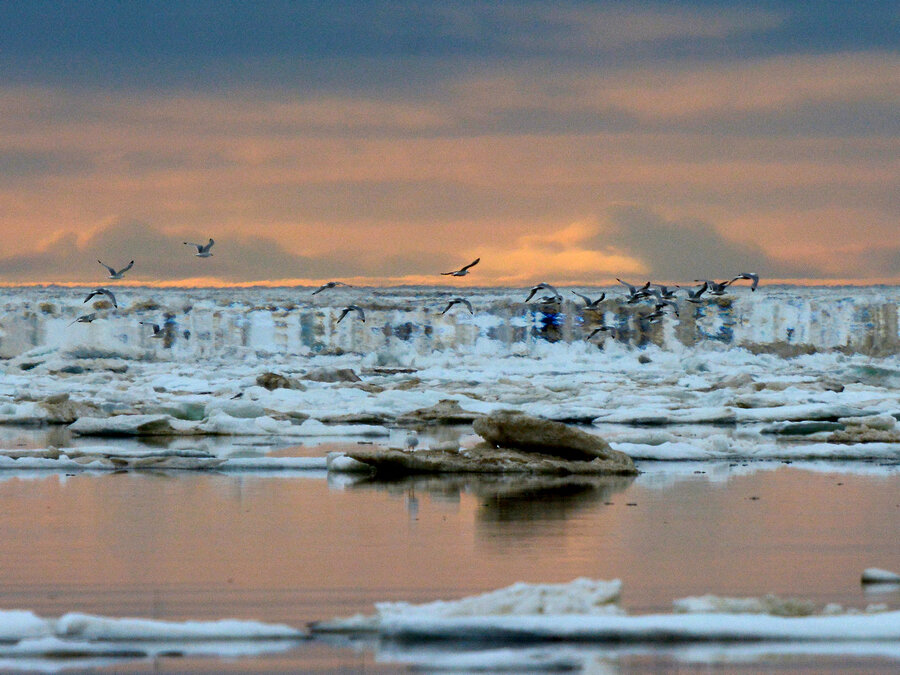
{"points": [[874, 575], [17, 625], [587, 610]]}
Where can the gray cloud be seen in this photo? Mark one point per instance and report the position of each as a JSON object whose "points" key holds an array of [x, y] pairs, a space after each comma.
{"points": [[159, 257], [877, 262], [689, 249]]}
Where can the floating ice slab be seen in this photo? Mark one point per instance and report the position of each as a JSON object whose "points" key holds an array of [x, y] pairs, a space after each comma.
{"points": [[585, 610], [100, 628], [874, 575], [17, 625]]}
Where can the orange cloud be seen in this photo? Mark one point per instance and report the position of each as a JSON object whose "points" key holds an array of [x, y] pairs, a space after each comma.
{"points": [[565, 256], [391, 188]]}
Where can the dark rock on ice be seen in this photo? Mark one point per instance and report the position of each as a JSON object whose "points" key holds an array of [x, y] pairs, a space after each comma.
{"points": [[332, 375], [483, 458], [445, 411], [512, 429], [272, 381], [357, 418]]}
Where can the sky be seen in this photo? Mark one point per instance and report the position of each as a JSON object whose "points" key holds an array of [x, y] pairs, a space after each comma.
{"points": [[571, 142]]}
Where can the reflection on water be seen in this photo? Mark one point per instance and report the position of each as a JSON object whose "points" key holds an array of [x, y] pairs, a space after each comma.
{"points": [[293, 550], [536, 500]]}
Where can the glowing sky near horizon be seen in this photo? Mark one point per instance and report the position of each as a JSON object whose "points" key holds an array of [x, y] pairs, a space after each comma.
{"points": [[569, 142]]}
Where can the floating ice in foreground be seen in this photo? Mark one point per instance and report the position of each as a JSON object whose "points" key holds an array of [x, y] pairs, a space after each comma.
{"points": [[590, 658], [874, 575], [25, 636], [586, 610]]}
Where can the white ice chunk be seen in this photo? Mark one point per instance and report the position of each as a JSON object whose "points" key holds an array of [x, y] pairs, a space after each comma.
{"points": [[340, 463], [20, 624], [89, 627], [274, 464], [874, 575]]}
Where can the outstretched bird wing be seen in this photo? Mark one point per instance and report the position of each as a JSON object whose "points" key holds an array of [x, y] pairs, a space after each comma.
{"points": [[587, 301]]}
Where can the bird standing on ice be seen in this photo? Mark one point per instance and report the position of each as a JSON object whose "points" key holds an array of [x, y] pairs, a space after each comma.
{"points": [[113, 274], [462, 271], [412, 440], [202, 249]]}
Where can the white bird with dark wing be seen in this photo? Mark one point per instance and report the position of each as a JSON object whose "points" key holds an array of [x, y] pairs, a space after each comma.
{"points": [[588, 303], [103, 291], [715, 287], [117, 274], [352, 308], [462, 271], [330, 284], [652, 317], [663, 292], [662, 304], [542, 285], [459, 301], [634, 293], [202, 249], [750, 276], [599, 329], [85, 318], [694, 296], [158, 332]]}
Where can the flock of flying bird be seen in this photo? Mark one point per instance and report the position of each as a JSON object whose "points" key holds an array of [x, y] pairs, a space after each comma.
{"points": [[663, 296]]}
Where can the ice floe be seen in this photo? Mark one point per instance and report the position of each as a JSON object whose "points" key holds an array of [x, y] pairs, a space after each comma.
{"points": [[75, 640], [261, 362], [875, 575], [587, 610]]}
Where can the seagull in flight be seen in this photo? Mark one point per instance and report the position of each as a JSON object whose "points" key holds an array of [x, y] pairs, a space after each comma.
{"points": [[715, 287], [663, 292], [157, 331], [588, 303], [694, 296], [85, 318], [202, 249], [535, 289], [751, 276], [103, 291], [662, 304], [599, 329], [458, 301], [330, 284], [652, 317], [635, 294], [462, 271], [113, 274], [352, 308]]}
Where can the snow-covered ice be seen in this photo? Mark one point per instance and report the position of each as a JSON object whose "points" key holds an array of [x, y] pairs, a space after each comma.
{"points": [[552, 612], [28, 641], [756, 366]]}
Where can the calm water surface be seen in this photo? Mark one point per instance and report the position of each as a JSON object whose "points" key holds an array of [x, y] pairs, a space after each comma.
{"points": [[297, 549]]}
